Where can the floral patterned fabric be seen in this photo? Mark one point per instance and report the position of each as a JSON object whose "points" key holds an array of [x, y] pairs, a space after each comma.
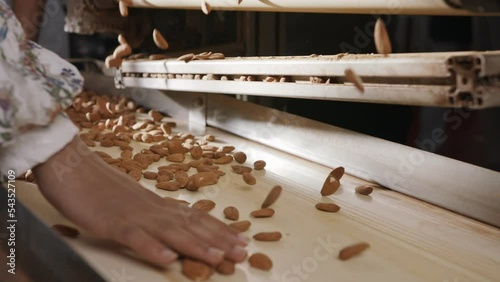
{"points": [[35, 84], [35, 87]]}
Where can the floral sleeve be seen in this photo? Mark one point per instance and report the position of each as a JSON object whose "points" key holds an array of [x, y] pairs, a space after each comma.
{"points": [[35, 86]]}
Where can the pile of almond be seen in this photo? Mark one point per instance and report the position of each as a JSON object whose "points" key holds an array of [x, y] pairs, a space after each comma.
{"points": [[191, 163]]}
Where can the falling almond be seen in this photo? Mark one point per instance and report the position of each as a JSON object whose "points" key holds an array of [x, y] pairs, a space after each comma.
{"points": [[330, 186], [159, 40], [382, 40], [338, 172], [351, 76], [122, 40], [123, 9], [205, 7]]}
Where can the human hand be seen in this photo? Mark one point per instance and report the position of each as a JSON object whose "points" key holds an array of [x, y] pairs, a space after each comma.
{"points": [[111, 205]]}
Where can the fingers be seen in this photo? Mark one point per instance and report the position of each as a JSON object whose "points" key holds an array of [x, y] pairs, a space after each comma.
{"points": [[215, 226], [186, 243], [232, 250], [145, 245]]}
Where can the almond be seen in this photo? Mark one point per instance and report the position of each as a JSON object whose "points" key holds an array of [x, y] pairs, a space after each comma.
{"points": [[168, 185], [150, 175], [137, 136], [186, 58], [155, 57], [216, 56], [267, 236], [209, 138], [207, 168], [65, 230], [106, 143], [227, 149], [224, 160], [231, 213], [112, 62], [155, 115], [158, 138], [267, 212], [241, 226], [351, 76], [176, 158], [249, 179], [159, 40], [175, 167], [175, 147], [147, 138], [330, 186], [353, 250], [272, 196], [209, 148], [126, 154], [204, 205], [196, 163], [123, 8], [196, 152], [195, 270], [382, 40], [226, 267], [240, 157], [338, 173], [123, 145], [165, 127], [260, 261], [205, 7], [202, 179], [122, 51], [364, 190], [163, 177], [240, 169], [209, 155], [122, 40], [136, 174], [259, 165], [183, 181], [327, 207], [160, 151]]}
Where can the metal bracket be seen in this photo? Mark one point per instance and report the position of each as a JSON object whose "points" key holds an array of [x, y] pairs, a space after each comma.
{"points": [[467, 91]]}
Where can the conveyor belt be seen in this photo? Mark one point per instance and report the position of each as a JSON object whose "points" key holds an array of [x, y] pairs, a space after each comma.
{"points": [[418, 7], [455, 79], [410, 240]]}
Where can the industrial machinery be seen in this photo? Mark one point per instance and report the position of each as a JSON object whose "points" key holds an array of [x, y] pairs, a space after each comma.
{"points": [[432, 219]]}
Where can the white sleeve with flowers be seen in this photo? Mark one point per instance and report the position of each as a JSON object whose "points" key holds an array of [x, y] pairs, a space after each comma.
{"points": [[35, 87]]}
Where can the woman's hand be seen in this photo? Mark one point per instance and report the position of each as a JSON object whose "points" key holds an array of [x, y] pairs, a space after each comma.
{"points": [[112, 205]]}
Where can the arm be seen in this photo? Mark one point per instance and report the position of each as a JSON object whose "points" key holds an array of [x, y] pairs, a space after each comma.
{"points": [[30, 14]]}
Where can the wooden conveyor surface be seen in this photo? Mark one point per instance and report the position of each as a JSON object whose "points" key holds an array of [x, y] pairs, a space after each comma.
{"points": [[410, 239]]}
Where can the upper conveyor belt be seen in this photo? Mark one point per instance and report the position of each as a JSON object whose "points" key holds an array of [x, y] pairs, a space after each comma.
{"points": [[414, 7], [451, 79]]}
